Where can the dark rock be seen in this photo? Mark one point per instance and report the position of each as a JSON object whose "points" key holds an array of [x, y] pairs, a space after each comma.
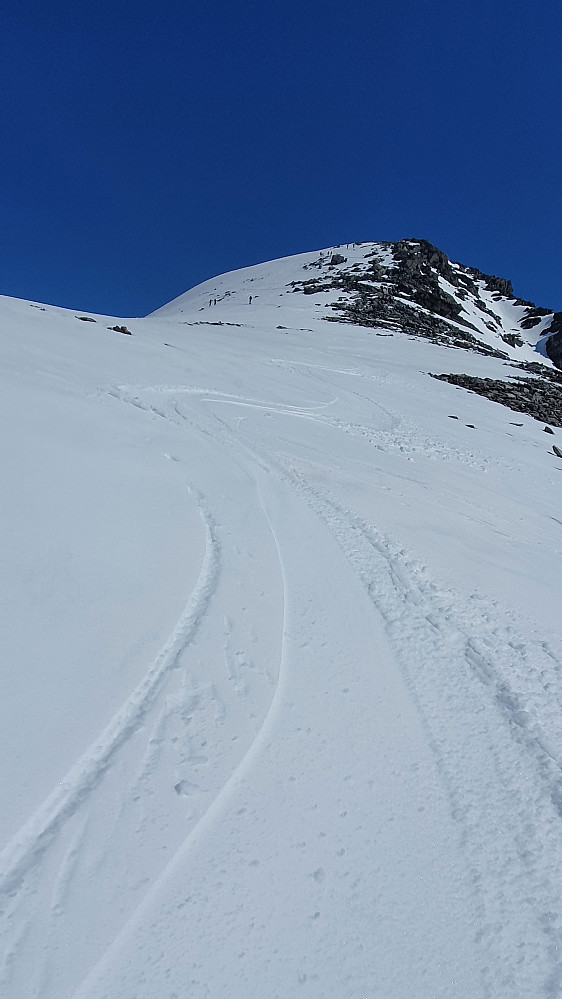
{"points": [[502, 285], [553, 348], [540, 398], [412, 298], [539, 369], [87, 319], [548, 430], [557, 451], [555, 325], [512, 339], [120, 329], [406, 292], [533, 318]]}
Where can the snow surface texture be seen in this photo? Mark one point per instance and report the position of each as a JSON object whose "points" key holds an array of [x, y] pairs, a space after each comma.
{"points": [[282, 677]]}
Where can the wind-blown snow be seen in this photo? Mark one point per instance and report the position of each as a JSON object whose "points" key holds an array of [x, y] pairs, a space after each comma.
{"points": [[282, 663]]}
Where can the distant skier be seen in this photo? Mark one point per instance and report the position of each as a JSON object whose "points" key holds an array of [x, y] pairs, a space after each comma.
{"points": [[210, 301], [250, 300]]}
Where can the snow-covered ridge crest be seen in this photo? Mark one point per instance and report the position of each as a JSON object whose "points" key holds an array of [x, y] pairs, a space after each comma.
{"points": [[408, 285]]}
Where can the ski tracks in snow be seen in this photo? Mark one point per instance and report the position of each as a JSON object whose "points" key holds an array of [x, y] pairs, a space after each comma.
{"points": [[483, 699], [486, 713], [59, 826], [26, 848], [287, 880], [487, 701], [75, 873]]}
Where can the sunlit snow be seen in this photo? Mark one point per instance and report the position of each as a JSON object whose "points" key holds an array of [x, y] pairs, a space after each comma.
{"points": [[282, 662]]}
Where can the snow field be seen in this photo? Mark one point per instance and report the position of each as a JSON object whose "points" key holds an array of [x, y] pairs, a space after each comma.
{"points": [[318, 750]]}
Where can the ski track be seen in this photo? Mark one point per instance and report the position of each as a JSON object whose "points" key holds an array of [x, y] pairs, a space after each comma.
{"points": [[25, 853], [25, 869], [403, 436], [473, 680], [475, 683], [443, 648], [221, 798]]}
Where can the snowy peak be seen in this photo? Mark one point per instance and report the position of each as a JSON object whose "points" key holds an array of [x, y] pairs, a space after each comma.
{"points": [[408, 286], [412, 286]]}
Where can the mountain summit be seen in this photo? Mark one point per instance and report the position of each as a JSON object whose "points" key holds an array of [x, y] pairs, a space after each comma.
{"points": [[409, 286]]}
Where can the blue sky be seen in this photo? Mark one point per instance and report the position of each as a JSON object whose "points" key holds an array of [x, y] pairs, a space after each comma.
{"points": [[149, 146]]}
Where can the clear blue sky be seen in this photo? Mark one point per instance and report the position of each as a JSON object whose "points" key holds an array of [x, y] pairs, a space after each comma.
{"points": [[148, 146]]}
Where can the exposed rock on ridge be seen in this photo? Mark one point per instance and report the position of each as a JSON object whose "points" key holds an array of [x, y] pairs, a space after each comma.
{"points": [[539, 397], [413, 286]]}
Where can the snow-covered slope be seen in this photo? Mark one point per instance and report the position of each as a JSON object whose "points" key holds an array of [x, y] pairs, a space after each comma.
{"points": [[282, 664], [410, 286]]}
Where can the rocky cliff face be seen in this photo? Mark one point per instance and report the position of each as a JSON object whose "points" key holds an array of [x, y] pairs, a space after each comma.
{"points": [[412, 286], [553, 345]]}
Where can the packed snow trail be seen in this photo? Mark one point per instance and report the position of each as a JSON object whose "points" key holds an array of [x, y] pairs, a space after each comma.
{"points": [[476, 799], [107, 831], [36, 837], [341, 774], [312, 834]]}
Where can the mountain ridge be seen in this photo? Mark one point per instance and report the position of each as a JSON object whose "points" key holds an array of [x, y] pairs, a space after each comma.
{"points": [[413, 286]]}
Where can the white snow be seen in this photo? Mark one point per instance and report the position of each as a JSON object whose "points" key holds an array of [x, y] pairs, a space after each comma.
{"points": [[282, 667]]}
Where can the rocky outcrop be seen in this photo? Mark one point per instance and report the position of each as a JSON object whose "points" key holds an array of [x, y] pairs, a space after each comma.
{"points": [[540, 398], [499, 284], [534, 317], [413, 287], [554, 343]]}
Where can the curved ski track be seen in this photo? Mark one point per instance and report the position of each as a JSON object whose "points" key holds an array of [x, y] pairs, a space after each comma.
{"points": [[25, 849], [471, 680]]}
